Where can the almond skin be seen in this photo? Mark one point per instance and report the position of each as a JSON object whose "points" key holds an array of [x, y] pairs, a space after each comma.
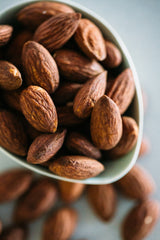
{"points": [[39, 199], [141, 220], [13, 183], [145, 147], [103, 200], [45, 146], [5, 34], [76, 167], [12, 99], [16, 232], [39, 109], [137, 184], [39, 66], [36, 13], [79, 144], [10, 77], [122, 90], [60, 225], [75, 67], [106, 124], [70, 192], [47, 33], [88, 95], [12, 134], [90, 39]]}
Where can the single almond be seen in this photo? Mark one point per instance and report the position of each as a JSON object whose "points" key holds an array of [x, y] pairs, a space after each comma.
{"points": [[145, 147], [75, 67], [39, 109], [90, 39], [106, 124], [12, 99], [5, 34], [16, 232], [47, 33], [88, 95], [76, 167]]}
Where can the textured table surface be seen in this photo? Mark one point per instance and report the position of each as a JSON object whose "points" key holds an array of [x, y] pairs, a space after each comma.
{"points": [[138, 24]]}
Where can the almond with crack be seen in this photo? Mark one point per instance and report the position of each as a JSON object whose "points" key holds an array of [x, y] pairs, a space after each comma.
{"points": [[5, 34], [16, 232], [39, 109], [57, 30], [106, 124]]}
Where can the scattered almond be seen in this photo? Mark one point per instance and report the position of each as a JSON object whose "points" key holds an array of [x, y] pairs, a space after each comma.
{"points": [[16, 232], [5, 34]]}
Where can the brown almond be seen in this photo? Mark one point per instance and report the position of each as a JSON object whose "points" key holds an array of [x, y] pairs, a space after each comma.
{"points": [[90, 39], [13, 183], [5, 34], [122, 90], [16, 232], [88, 95], [70, 192], [12, 99], [10, 77], [76, 167], [79, 144], [47, 33], [145, 147], [36, 13], [38, 200], [0, 227], [114, 56], [39, 109], [103, 200], [60, 225], [128, 139], [40, 67], [137, 184], [141, 220], [45, 146], [106, 124], [76, 67], [12, 135]]}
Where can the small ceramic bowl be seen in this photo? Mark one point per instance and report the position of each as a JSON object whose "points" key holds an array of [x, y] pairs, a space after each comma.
{"points": [[116, 169]]}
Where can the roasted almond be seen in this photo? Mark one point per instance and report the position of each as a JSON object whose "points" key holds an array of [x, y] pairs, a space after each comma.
{"points": [[45, 146], [90, 39], [12, 98], [137, 184], [122, 90], [5, 34], [36, 13], [141, 220], [76, 167], [57, 30], [76, 67], [106, 124], [39, 109], [13, 183], [145, 147], [38, 200], [103, 200], [10, 77], [88, 95], [16, 232]]}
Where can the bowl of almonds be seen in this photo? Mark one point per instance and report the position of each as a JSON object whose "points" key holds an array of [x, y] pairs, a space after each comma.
{"points": [[70, 103]]}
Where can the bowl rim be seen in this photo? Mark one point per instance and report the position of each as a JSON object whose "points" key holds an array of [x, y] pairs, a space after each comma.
{"points": [[95, 180]]}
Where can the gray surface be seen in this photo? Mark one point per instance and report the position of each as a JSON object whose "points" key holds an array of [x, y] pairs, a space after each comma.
{"points": [[137, 22]]}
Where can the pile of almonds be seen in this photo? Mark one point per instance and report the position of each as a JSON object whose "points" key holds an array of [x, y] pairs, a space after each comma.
{"points": [[64, 92]]}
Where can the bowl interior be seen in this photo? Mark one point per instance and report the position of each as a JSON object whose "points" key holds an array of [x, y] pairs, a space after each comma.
{"points": [[116, 169]]}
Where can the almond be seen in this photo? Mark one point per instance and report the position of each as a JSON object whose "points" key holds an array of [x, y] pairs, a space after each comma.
{"points": [[36, 13], [12, 99], [5, 34], [76, 67], [122, 90], [10, 77], [45, 146], [13, 183], [16, 232], [0, 227], [145, 147], [39, 109], [38, 200], [90, 39], [106, 124], [140, 221], [79, 144], [137, 184], [70, 192], [103, 200], [60, 225], [88, 95], [12, 135], [76, 167], [47, 33]]}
